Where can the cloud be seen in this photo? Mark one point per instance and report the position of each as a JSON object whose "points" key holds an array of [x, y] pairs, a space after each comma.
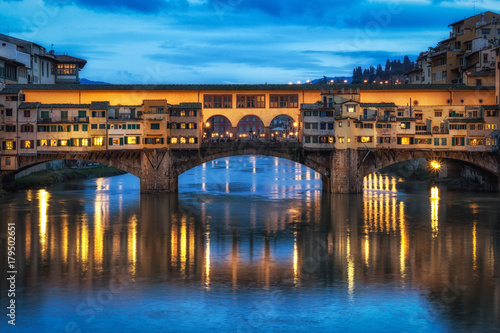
{"points": [[145, 7]]}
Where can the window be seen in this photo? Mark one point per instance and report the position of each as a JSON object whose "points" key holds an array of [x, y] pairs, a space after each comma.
{"points": [[160, 110], [401, 113], [82, 113], [75, 128], [341, 139], [64, 115], [131, 140], [251, 101], [85, 127], [27, 113], [405, 141], [115, 141], [472, 127], [369, 125], [485, 31], [85, 142], [218, 101], [491, 126], [492, 113], [418, 116], [174, 140], [64, 142], [43, 143], [93, 126], [476, 142], [9, 145], [283, 101], [365, 139], [44, 114], [76, 142], [182, 113], [405, 125], [444, 141], [26, 128], [479, 82], [155, 126], [8, 112], [192, 140], [10, 128], [340, 124], [98, 141], [351, 108], [421, 128], [458, 126], [66, 69]]}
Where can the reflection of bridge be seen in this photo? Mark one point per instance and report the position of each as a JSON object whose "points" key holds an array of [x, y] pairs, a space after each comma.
{"points": [[342, 171]]}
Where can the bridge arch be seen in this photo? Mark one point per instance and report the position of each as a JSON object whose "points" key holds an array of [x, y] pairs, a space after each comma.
{"points": [[250, 126], [218, 126], [487, 164], [283, 126]]}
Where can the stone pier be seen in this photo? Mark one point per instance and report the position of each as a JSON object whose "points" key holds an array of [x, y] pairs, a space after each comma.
{"points": [[157, 174]]}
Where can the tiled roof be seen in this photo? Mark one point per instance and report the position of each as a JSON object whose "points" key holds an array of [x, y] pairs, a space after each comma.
{"points": [[10, 91], [491, 107], [69, 106], [310, 106], [244, 87], [466, 120], [99, 106], [186, 106], [378, 105], [26, 105], [483, 74]]}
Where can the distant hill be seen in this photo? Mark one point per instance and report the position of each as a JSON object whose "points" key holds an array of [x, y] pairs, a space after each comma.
{"points": [[85, 81], [337, 79]]}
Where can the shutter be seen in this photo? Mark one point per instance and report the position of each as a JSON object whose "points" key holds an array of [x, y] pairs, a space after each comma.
{"points": [[195, 125], [110, 141], [32, 143], [452, 141], [121, 141], [168, 140], [138, 140], [462, 141], [468, 142], [58, 143], [68, 128], [429, 141], [125, 139], [411, 141], [168, 125], [195, 139], [14, 145], [22, 144], [4, 145], [38, 143], [399, 141]]}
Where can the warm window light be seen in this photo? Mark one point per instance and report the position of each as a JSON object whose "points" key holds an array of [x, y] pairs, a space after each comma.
{"points": [[53, 143], [98, 141], [9, 145], [43, 143], [64, 142], [191, 140], [183, 140], [131, 140], [365, 139], [85, 142], [405, 141], [174, 140]]}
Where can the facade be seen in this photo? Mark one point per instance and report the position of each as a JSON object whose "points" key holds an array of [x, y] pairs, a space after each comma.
{"points": [[37, 119], [24, 62]]}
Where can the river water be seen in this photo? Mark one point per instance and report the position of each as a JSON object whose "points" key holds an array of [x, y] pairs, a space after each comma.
{"points": [[251, 244]]}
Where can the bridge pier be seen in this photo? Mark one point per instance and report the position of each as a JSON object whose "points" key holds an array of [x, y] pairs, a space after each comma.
{"points": [[344, 177], [157, 172]]}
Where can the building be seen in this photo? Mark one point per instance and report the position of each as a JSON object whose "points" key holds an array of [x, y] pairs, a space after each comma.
{"points": [[24, 62]]}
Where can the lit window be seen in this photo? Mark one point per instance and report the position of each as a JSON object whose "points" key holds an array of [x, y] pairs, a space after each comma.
{"points": [[183, 113], [351, 108], [405, 141], [66, 69], [191, 140], [53, 143], [85, 142], [64, 142], [155, 126], [183, 140], [27, 144], [330, 139], [348, 140], [76, 142], [116, 141], [341, 140], [98, 141], [174, 140], [183, 125], [9, 145], [131, 140], [366, 139], [43, 143]]}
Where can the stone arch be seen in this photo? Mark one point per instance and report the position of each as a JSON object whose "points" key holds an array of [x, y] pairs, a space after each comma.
{"points": [[250, 126], [218, 126], [284, 126], [485, 163]]}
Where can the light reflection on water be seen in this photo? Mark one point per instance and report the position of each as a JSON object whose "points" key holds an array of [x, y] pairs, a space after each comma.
{"points": [[253, 233]]}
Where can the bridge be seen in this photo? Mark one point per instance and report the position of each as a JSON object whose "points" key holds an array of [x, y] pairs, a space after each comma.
{"points": [[342, 171]]}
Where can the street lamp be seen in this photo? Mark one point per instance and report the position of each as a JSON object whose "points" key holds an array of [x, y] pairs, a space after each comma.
{"points": [[435, 165]]}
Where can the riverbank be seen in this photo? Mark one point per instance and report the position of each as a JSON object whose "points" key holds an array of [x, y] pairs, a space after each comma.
{"points": [[45, 178]]}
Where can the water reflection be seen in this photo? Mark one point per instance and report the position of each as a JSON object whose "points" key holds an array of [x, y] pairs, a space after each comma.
{"points": [[360, 250]]}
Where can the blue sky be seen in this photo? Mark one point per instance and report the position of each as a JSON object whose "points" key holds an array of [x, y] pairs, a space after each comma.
{"points": [[232, 41]]}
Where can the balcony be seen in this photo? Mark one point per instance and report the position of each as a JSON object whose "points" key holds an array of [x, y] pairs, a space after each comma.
{"points": [[368, 117]]}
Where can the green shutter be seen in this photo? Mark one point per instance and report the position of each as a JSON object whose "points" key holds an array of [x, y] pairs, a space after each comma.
{"points": [[121, 141], [452, 141], [58, 143], [138, 126], [411, 141], [138, 140], [399, 141], [70, 142], [429, 141], [38, 143], [468, 142], [110, 141], [125, 139], [462, 141]]}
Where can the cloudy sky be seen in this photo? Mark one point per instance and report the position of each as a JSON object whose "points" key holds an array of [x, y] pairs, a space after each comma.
{"points": [[232, 41]]}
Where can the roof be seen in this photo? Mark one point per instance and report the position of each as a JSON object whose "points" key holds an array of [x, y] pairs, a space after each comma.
{"points": [[466, 120], [99, 106], [308, 106], [482, 74], [186, 106], [414, 70], [66, 59], [378, 105], [10, 91], [491, 107], [69, 106], [13, 62], [26, 105], [438, 53]]}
